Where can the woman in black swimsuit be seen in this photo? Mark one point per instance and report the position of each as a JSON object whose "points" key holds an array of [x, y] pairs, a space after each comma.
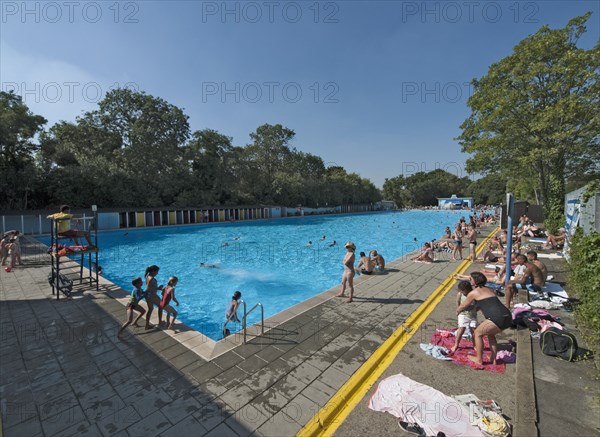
{"points": [[498, 317]]}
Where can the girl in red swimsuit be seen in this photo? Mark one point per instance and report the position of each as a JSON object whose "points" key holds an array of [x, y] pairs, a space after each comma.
{"points": [[167, 296]]}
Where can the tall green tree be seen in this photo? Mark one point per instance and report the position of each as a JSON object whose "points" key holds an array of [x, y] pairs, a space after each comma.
{"points": [[537, 111], [133, 151], [424, 188], [128, 152], [266, 155], [18, 173], [489, 190], [209, 154], [395, 189], [79, 164]]}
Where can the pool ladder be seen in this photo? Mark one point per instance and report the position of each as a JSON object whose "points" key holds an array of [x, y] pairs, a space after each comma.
{"points": [[246, 313]]}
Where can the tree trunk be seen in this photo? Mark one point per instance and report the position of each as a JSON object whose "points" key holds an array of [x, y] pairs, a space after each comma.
{"points": [[543, 184]]}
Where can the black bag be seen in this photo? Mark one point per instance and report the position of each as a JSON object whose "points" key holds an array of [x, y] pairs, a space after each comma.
{"points": [[65, 285], [558, 343]]}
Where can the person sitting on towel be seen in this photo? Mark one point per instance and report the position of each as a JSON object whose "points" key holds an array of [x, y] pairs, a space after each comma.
{"points": [[531, 270], [555, 241]]}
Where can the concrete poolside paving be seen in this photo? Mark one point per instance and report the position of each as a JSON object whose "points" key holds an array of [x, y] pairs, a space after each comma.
{"points": [[64, 372], [540, 395]]}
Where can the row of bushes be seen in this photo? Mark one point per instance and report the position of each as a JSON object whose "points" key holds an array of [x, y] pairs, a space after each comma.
{"points": [[584, 280]]}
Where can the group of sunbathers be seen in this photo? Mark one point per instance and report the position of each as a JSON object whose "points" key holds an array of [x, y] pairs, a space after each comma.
{"points": [[452, 240], [368, 264]]}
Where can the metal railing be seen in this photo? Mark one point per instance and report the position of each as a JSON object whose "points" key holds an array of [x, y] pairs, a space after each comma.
{"points": [[244, 317]]}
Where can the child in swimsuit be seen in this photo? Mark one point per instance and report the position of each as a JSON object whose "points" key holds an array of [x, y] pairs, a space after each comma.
{"points": [[231, 313], [167, 296], [468, 317], [134, 304], [152, 298]]}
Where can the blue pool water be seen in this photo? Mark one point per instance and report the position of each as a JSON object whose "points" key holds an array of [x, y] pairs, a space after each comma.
{"points": [[269, 263]]}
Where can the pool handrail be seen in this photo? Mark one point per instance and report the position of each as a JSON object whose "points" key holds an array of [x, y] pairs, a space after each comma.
{"points": [[262, 318], [244, 327]]}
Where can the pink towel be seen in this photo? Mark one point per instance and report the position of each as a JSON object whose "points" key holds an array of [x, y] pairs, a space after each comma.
{"points": [[461, 356]]}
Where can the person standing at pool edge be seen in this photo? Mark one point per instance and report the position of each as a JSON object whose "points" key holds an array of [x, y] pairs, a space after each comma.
{"points": [[151, 294], [348, 276], [134, 304], [168, 295]]}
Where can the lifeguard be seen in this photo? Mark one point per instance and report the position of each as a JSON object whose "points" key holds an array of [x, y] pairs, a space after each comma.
{"points": [[64, 225]]}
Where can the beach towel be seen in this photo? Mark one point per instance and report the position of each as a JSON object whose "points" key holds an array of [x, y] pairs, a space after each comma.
{"points": [[550, 291], [547, 305], [536, 240], [550, 255], [461, 356], [430, 409], [492, 266]]}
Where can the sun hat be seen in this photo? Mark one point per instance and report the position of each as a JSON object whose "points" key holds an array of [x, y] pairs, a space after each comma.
{"points": [[350, 244]]}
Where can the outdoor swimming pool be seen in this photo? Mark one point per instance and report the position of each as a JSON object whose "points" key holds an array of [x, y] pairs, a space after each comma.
{"points": [[269, 263]]}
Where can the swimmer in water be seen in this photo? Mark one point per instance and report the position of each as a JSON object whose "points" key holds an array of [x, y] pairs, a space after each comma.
{"points": [[309, 244], [323, 238], [334, 243], [208, 266], [225, 244]]}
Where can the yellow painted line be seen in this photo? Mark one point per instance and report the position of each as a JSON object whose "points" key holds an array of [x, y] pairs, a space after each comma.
{"points": [[333, 414]]}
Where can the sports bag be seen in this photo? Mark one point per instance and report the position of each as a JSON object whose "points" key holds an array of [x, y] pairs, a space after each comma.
{"points": [[558, 343]]}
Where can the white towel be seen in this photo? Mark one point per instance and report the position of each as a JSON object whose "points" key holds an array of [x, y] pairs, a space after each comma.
{"points": [[417, 403]]}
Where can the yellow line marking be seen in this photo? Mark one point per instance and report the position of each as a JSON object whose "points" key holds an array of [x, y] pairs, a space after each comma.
{"points": [[332, 415]]}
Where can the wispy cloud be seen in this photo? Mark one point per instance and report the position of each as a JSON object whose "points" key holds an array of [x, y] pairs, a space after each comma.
{"points": [[53, 88]]}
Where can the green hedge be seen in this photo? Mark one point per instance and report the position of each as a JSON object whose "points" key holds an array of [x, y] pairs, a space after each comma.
{"points": [[584, 281]]}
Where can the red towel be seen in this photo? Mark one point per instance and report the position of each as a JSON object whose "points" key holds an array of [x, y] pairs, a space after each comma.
{"points": [[461, 356]]}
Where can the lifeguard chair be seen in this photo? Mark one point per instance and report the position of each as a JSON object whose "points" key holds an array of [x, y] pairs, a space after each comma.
{"points": [[59, 282]]}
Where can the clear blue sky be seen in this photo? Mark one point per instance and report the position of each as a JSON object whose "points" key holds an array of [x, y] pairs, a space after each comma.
{"points": [[379, 87]]}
